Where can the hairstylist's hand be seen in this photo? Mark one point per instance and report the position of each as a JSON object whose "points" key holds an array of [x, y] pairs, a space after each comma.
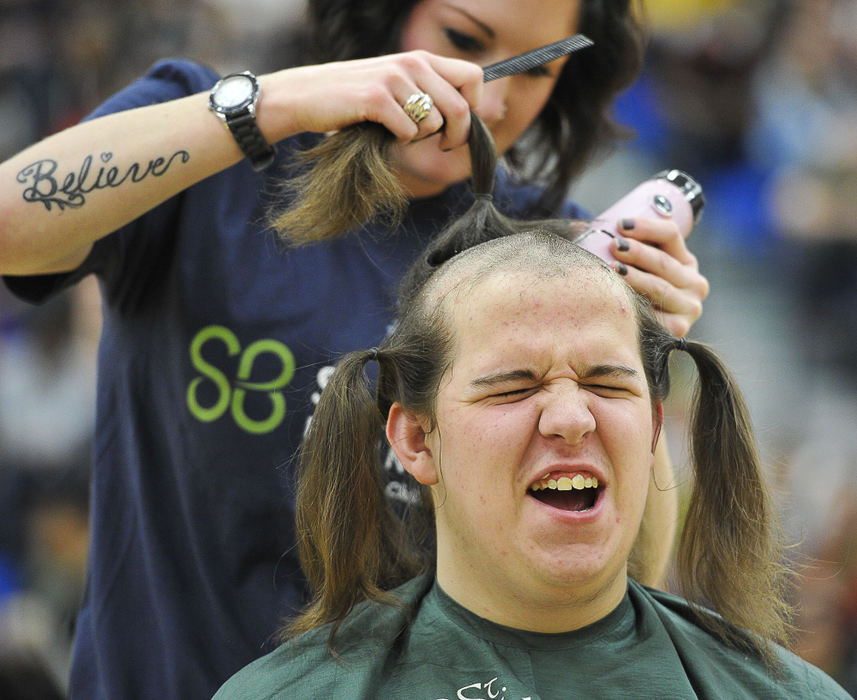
{"points": [[658, 264], [328, 97]]}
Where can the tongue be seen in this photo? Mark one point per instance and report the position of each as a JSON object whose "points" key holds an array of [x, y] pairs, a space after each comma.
{"points": [[567, 500]]}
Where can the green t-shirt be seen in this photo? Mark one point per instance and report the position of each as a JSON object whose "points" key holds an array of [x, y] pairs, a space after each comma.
{"points": [[649, 646]]}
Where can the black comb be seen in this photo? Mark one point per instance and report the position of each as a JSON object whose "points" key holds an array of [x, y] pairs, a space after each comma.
{"points": [[537, 57]]}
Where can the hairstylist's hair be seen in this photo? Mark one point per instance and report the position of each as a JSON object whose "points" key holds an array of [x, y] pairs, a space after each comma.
{"points": [[352, 167], [355, 547]]}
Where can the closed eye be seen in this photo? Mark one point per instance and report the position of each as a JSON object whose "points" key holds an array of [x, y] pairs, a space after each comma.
{"points": [[515, 394], [506, 385], [608, 391], [626, 381], [539, 72], [464, 42]]}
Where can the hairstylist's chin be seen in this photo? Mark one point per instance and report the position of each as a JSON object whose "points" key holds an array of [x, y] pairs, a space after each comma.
{"points": [[425, 170]]}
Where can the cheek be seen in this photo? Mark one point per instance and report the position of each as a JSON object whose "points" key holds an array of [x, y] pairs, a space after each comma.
{"points": [[488, 439], [414, 31], [467, 440], [626, 432], [627, 442], [523, 109], [425, 159]]}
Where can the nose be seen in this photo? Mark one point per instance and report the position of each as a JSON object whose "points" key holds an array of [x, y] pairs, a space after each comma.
{"points": [[493, 105], [566, 413]]}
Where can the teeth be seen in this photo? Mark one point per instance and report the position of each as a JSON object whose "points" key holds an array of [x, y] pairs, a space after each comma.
{"points": [[565, 483]]}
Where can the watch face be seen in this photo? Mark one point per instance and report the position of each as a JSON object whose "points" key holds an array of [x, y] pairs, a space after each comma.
{"points": [[233, 92]]}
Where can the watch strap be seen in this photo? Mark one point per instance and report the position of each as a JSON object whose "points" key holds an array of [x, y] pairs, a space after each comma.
{"points": [[251, 141]]}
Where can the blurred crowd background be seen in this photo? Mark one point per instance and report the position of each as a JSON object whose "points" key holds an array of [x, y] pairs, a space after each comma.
{"points": [[757, 99]]}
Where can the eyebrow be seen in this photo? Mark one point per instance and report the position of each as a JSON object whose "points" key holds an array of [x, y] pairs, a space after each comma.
{"points": [[484, 27], [608, 371]]}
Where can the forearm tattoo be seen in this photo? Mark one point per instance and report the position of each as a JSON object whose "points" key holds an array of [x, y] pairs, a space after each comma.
{"points": [[43, 184]]}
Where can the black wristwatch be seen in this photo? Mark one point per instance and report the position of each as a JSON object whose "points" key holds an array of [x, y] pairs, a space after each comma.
{"points": [[233, 99]]}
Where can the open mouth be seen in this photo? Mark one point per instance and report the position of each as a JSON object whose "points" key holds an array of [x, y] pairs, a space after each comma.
{"points": [[572, 493]]}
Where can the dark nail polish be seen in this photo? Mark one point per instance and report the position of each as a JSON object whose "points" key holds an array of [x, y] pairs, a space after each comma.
{"points": [[628, 224], [622, 244], [622, 269]]}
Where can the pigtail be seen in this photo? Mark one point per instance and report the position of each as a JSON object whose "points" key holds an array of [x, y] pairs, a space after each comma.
{"points": [[350, 540], [729, 556], [482, 221]]}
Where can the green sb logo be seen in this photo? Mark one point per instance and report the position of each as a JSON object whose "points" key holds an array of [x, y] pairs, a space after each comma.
{"points": [[230, 398]]}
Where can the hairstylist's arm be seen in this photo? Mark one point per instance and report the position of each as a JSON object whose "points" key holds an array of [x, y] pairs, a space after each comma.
{"points": [[159, 150], [659, 265]]}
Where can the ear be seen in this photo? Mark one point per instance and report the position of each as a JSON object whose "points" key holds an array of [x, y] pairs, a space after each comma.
{"points": [[657, 423], [406, 433]]}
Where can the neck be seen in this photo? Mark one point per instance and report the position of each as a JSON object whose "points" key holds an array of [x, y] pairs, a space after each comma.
{"points": [[548, 609]]}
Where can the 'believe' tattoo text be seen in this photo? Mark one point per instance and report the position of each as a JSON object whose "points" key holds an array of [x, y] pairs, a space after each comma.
{"points": [[44, 185]]}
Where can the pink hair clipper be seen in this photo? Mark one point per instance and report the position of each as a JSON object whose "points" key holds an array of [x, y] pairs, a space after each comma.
{"points": [[671, 194]]}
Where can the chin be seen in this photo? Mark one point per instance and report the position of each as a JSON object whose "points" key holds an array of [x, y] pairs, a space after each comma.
{"points": [[575, 569], [426, 171]]}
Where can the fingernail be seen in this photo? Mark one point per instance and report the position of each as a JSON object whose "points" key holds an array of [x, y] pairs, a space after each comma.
{"points": [[622, 243], [622, 269], [628, 224]]}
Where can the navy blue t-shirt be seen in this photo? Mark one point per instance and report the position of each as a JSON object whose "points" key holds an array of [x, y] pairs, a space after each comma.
{"points": [[216, 343]]}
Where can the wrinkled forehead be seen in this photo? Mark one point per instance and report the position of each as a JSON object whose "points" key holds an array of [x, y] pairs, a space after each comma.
{"points": [[512, 307], [512, 260]]}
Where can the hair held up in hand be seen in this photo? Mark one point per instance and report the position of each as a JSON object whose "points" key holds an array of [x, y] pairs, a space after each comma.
{"points": [[348, 178], [353, 169]]}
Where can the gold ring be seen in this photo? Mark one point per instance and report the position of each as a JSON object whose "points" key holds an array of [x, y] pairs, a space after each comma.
{"points": [[418, 106]]}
